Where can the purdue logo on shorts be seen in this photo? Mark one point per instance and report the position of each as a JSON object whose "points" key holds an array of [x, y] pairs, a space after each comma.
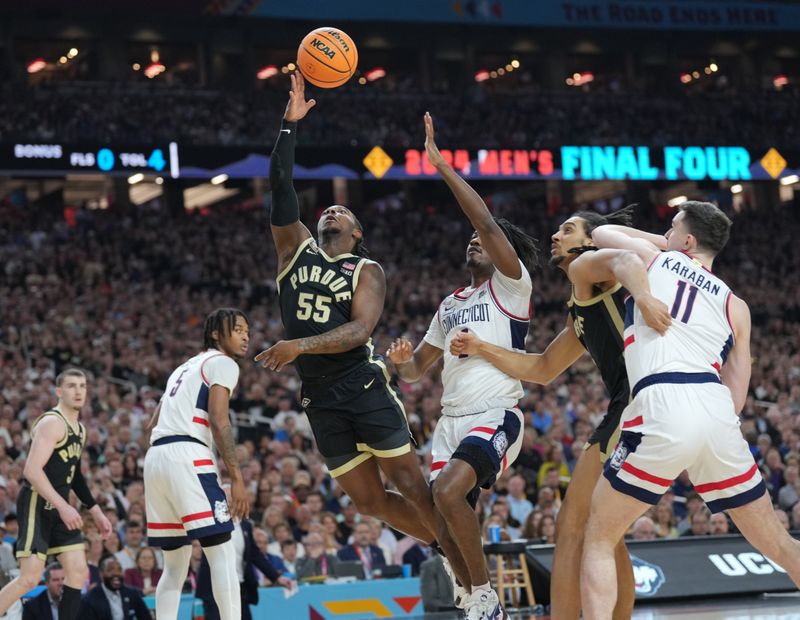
{"points": [[500, 443], [619, 456], [221, 512]]}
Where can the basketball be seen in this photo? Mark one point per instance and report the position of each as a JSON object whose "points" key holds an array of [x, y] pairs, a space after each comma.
{"points": [[327, 57]]}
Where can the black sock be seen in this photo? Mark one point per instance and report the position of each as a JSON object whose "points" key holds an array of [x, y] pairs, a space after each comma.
{"points": [[70, 603]]}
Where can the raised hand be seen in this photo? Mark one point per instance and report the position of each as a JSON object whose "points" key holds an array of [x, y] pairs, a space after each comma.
{"points": [[400, 351], [297, 107], [432, 151]]}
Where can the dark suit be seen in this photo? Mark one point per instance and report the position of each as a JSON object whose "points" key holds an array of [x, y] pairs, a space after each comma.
{"points": [[376, 559], [95, 605], [310, 567], [38, 608], [252, 557]]}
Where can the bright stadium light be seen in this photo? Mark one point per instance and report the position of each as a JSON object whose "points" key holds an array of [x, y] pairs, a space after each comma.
{"points": [[135, 178], [515, 64], [72, 52], [482, 75], [36, 65], [219, 179], [790, 179], [737, 189], [267, 72], [678, 200]]}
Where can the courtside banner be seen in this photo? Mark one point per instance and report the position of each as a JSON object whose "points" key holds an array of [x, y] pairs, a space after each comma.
{"points": [[691, 567]]}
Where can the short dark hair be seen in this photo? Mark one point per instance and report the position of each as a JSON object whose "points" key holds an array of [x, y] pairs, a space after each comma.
{"points": [[69, 372], [592, 219], [708, 224], [49, 570], [360, 248], [107, 562], [132, 524], [222, 320], [288, 542]]}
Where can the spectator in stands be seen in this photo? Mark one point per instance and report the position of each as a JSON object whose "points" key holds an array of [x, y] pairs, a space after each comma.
{"points": [[665, 520], [518, 503], [546, 532], [699, 523], [133, 542], [11, 526], [718, 524], [361, 550], [111, 599], [531, 525], [436, 587], [290, 555], [44, 606], [262, 542], [643, 529], [789, 494], [318, 562], [145, 574], [694, 503]]}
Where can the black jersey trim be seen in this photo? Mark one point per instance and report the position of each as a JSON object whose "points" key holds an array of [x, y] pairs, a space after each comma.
{"points": [[288, 267], [596, 298]]}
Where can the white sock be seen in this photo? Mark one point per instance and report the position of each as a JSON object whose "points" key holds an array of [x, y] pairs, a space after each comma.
{"points": [[486, 587], [170, 585], [224, 582]]}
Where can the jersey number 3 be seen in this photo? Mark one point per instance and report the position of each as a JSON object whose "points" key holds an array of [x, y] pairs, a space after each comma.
{"points": [[315, 307], [676, 305]]}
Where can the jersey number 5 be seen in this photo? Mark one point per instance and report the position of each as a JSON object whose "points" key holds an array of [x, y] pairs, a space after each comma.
{"points": [[315, 307], [676, 305]]}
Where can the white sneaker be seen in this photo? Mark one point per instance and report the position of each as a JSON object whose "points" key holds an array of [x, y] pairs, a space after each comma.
{"points": [[484, 605], [460, 594]]}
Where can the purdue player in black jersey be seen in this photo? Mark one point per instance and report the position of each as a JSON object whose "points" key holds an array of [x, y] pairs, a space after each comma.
{"points": [[48, 524], [331, 298], [594, 324]]}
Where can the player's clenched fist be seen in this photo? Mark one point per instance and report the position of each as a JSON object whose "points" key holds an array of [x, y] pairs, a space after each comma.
{"points": [[465, 343], [400, 351], [655, 313]]}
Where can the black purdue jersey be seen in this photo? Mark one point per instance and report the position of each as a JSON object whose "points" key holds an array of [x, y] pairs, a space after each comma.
{"points": [[66, 456], [316, 295], [599, 325]]}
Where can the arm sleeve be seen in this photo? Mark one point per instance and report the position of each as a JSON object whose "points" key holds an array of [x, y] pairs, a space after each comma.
{"points": [[221, 370], [285, 208], [82, 489], [435, 334]]}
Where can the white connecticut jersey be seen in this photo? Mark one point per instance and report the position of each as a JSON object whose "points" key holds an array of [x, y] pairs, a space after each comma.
{"points": [[184, 406], [700, 336], [498, 312]]}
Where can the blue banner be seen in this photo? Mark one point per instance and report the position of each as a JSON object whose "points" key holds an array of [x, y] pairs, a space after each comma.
{"points": [[632, 14]]}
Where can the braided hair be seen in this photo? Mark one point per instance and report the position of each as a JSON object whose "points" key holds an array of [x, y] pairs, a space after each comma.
{"points": [[222, 321], [360, 248], [592, 219], [526, 247]]}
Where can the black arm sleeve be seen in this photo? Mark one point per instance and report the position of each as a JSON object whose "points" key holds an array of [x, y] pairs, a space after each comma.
{"points": [[285, 209], [82, 489]]}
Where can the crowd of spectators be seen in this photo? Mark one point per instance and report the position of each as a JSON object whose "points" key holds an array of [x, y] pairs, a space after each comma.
{"points": [[123, 295], [363, 117]]}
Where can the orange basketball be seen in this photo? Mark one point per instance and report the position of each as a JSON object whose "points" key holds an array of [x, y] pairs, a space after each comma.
{"points": [[327, 57]]}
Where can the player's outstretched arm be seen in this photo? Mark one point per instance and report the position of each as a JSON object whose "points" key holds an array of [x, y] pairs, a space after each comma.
{"points": [[221, 429], [48, 432], [616, 237], [492, 238], [288, 231], [629, 269], [366, 310], [735, 373], [539, 368], [412, 363], [660, 241]]}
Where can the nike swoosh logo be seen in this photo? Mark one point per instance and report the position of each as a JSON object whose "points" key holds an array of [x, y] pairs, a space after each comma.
{"points": [[286, 130], [366, 387]]}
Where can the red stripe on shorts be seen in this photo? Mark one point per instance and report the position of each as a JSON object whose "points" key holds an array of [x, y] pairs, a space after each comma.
{"points": [[202, 462], [437, 465], [165, 526], [628, 341], [198, 420], [715, 366], [643, 475], [634, 422], [730, 482], [197, 515], [483, 429]]}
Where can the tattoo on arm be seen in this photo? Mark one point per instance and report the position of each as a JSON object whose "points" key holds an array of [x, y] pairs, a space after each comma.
{"points": [[338, 340], [226, 445]]}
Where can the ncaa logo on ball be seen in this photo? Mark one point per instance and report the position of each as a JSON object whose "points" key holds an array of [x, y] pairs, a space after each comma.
{"points": [[500, 443]]}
